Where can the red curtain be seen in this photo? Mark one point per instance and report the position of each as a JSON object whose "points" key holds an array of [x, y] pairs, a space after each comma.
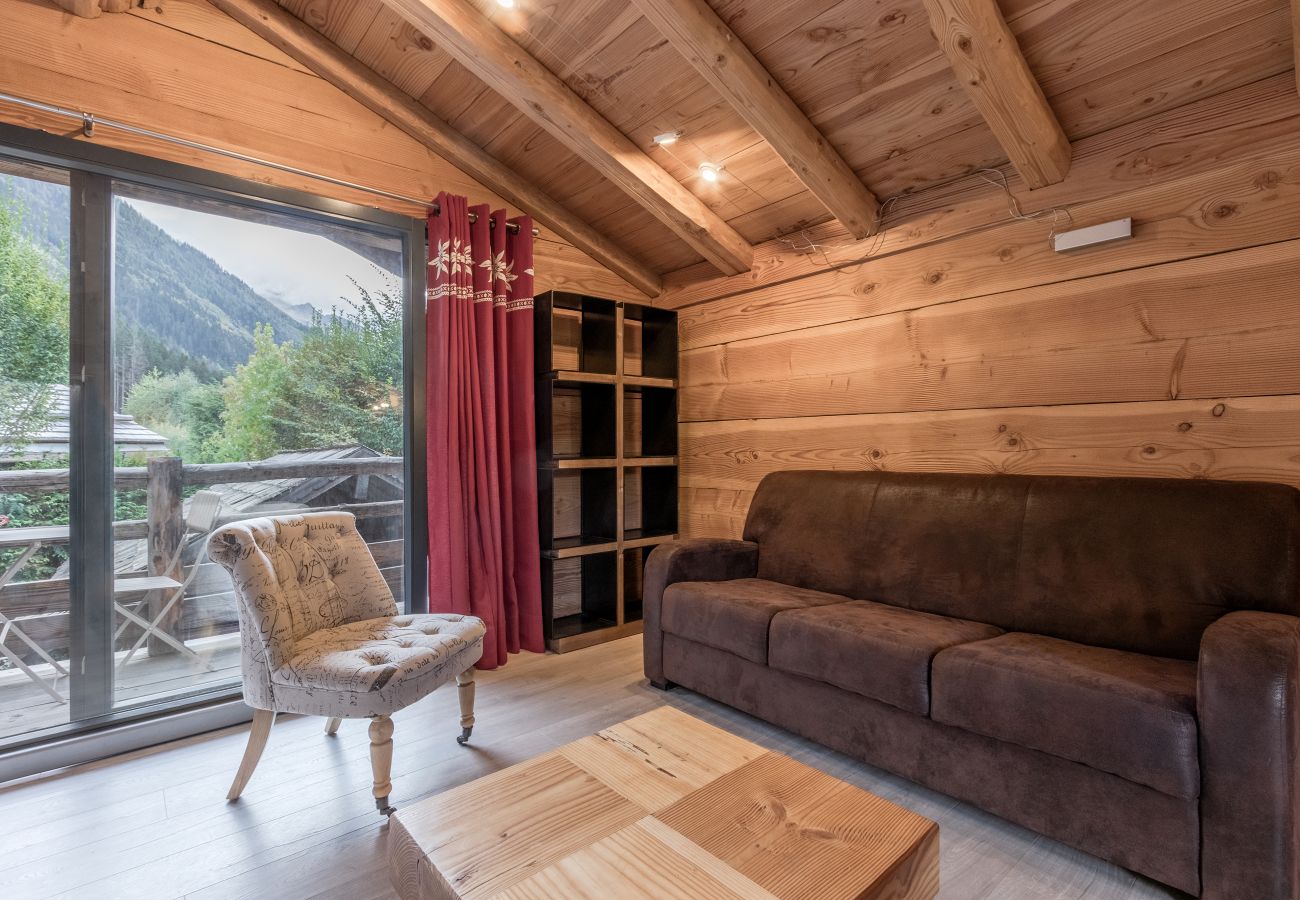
{"points": [[482, 456]]}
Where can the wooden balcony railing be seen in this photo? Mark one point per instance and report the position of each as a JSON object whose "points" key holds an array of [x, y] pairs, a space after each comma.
{"points": [[208, 607]]}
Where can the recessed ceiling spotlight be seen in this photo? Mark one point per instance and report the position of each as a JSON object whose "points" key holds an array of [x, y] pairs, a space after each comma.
{"points": [[668, 137], [710, 172]]}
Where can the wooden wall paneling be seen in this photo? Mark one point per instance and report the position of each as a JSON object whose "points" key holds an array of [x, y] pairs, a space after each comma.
{"points": [[1163, 332], [1252, 439], [568, 504], [632, 332], [632, 500], [1243, 205], [632, 401], [988, 62], [199, 18], [567, 586], [1247, 123], [1295, 37], [567, 424]]}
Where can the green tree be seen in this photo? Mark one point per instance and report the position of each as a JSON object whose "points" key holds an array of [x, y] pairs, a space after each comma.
{"points": [[340, 384], [180, 407], [33, 332], [254, 401]]}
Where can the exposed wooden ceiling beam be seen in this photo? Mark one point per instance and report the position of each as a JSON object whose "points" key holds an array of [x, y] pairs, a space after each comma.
{"points": [[326, 59], [709, 45], [464, 32], [988, 62]]}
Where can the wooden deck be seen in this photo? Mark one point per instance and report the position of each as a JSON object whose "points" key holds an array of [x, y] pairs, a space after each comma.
{"points": [[155, 823], [25, 707]]}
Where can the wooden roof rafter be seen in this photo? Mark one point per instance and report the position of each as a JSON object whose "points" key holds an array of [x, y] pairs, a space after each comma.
{"points": [[984, 53], [718, 54], [322, 56], [506, 67]]}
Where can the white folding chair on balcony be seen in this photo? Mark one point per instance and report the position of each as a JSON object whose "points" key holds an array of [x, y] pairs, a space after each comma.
{"points": [[200, 520]]}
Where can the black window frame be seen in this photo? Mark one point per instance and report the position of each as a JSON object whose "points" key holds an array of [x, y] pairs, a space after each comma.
{"points": [[92, 169]]}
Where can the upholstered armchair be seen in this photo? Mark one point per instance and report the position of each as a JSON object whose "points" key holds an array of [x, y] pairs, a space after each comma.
{"points": [[321, 635]]}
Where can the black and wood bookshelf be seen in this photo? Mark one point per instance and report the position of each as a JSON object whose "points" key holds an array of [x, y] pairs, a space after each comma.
{"points": [[607, 459]]}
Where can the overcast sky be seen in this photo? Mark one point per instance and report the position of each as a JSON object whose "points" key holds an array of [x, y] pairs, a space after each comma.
{"points": [[275, 262]]}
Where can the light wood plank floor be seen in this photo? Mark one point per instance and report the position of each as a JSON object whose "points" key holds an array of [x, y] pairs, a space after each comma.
{"points": [[155, 824]]}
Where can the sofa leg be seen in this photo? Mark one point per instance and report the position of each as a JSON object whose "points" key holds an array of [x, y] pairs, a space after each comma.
{"points": [[332, 726], [257, 735], [465, 688], [663, 684], [381, 761]]}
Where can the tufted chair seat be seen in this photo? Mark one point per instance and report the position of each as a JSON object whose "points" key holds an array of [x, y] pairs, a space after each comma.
{"points": [[321, 635], [374, 666]]}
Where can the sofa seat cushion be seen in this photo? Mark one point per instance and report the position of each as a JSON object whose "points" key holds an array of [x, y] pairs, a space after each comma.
{"points": [[1124, 713], [734, 615], [873, 649]]}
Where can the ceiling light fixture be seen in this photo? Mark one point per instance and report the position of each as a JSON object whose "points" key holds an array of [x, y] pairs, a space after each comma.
{"points": [[668, 137], [710, 172], [506, 4]]}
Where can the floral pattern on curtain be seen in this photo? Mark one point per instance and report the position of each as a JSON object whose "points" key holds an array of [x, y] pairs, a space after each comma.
{"points": [[484, 556]]}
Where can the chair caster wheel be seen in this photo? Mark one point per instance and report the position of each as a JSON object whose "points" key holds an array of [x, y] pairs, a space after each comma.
{"points": [[464, 736], [381, 804]]}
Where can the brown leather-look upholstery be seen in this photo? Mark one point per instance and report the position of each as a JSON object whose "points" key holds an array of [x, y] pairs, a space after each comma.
{"points": [[674, 561], [1143, 703], [734, 615], [1124, 713], [873, 649]]}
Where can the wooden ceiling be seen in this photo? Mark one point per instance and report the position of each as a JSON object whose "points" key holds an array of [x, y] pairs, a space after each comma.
{"points": [[869, 74]]}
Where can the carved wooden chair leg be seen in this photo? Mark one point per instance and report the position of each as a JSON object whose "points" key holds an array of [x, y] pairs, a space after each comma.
{"points": [[381, 761], [261, 730], [465, 688], [332, 726]]}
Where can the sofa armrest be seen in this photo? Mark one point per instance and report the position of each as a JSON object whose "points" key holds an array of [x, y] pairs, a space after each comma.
{"points": [[1248, 705], [695, 560]]}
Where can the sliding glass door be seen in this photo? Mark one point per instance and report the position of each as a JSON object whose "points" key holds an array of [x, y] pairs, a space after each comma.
{"points": [[176, 355], [36, 441]]}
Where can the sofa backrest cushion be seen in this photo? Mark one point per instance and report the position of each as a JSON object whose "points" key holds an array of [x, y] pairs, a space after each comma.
{"points": [[1141, 564]]}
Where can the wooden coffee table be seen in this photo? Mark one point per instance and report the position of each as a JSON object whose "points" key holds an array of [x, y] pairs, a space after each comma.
{"points": [[662, 806]]}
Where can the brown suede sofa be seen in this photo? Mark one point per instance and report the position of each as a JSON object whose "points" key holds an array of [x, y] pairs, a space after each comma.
{"points": [[1112, 662]]}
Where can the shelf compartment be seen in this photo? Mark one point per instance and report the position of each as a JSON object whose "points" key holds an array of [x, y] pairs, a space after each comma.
{"points": [[575, 421], [573, 332], [582, 504], [579, 596], [649, 421], [649, 342], [649, 503]]}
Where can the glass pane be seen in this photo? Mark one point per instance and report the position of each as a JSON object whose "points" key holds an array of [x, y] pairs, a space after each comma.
{"points": [[241, 336], [34, 448]]}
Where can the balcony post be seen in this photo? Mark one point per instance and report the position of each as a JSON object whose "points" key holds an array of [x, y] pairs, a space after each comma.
{"points": [[166, 531]]}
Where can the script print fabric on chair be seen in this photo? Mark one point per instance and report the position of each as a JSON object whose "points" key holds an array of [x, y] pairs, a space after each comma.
{"points": [[483, 541], [321, 633]]}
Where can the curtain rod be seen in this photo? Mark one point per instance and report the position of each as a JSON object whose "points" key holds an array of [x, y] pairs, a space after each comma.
{"points": [[89, 121]]}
